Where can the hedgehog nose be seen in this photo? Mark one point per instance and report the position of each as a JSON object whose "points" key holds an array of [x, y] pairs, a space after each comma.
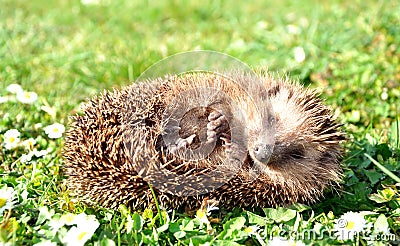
{"points": [[263, 152]]}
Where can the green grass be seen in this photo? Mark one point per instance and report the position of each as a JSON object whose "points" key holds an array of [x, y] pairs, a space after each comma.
{"points": [[66, 51]]}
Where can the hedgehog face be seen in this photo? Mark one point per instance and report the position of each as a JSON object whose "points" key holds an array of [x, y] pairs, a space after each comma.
{"points": [[260, 147], [299, 158], [286, 149], [261, 133]]}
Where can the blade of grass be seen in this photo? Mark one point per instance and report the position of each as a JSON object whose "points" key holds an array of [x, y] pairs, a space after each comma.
{"points": [[157, 205], [397, 133], [384, 169]]}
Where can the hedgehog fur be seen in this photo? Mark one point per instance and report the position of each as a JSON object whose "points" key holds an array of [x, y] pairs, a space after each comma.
{"points": [[115, 149]]}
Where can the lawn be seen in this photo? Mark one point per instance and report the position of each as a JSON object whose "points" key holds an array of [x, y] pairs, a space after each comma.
{"points": [[62, 52]]}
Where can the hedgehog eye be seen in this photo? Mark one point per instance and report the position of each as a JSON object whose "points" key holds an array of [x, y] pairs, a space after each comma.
{"points": [[297, 153]]}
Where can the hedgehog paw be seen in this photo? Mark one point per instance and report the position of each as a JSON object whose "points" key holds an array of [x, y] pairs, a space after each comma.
{"points": [[181, 143], [228, 145], [234, 153], [216, 126]]}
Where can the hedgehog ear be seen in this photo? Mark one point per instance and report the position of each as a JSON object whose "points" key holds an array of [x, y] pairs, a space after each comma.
{"points": [[268, 116], [265, 95]]}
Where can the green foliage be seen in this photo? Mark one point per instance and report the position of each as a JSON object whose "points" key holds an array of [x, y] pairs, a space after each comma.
{"points": [[67, 51]]}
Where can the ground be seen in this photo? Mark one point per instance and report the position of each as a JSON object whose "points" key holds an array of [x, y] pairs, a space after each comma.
{"points": [[66, 51]]}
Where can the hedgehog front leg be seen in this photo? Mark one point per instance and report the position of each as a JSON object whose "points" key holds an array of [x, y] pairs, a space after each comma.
{"points": [[217, 126]]}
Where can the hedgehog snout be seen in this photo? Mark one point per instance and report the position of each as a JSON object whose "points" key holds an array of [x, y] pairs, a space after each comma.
{"points": [[262, 152]]}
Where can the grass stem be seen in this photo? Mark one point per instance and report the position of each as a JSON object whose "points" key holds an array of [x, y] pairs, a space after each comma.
{"points": [[157, 205], [384, 169]]}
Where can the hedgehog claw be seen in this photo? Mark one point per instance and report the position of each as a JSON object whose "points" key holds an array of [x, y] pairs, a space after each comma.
{"points": [[216, 127], [181, 143], [227, 141], [214, 115]]}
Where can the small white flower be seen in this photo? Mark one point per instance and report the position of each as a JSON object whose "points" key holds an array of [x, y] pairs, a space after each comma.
{"points": [[3, 99], [238, 44], [78, 235], [252, 230], [303, 21], [54, 131], [7, 198], [201, 215], [11, 138], [26, 157], [299, 54], [24, 195], [384, 95], [262, 24], [211, 207], [348, 225], [39, 153], [27, 97], [37, 126], [68, 219], [90, 2], [29, 143], [293, 29], [55, 224], [129, 224], [81, 219], [19, 117], [50, 110], [14, 88]]}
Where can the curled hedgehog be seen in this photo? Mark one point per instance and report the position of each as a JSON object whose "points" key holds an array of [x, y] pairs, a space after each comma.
{"points": [[199, 135]]}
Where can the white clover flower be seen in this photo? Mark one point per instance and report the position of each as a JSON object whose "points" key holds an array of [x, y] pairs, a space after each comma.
{"points": [[299, 54], [55, 130], [26, 157], [349, 224], [7, 198], [14, 88], [29, 143], [83, 231], [11, 138], [27, 97]]}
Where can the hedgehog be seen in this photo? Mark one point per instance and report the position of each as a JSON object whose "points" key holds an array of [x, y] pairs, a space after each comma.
{"points": [[198, 136]]}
